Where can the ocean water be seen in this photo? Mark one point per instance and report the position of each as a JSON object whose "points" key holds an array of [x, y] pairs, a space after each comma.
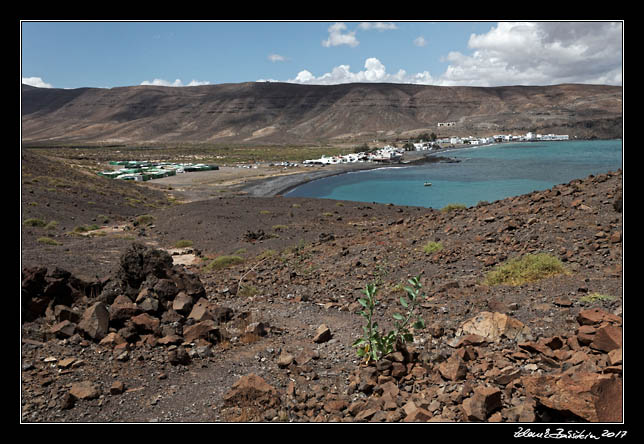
{"points": [[486, 173]]}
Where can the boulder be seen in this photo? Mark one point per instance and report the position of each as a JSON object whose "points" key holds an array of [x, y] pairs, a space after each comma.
{"points": [[607, 338], [251, 390], [123, 308], [84, 390], [323, 334], [495, 326], [454, 369], [146, 323], [182, 303], [482, 403], [207, 330], [595, 316], [581, 396], [95, 321]]}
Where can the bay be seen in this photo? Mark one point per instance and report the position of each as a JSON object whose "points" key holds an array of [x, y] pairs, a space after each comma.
{"points": [[485, 173]]}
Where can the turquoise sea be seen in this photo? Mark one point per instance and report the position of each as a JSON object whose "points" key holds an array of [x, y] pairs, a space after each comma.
{"points": [[485, 173]]}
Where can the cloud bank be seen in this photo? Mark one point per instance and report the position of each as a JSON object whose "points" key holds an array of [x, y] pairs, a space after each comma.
{"points": [[36, 81], [511, 53], [176, 83], [374, 71]]}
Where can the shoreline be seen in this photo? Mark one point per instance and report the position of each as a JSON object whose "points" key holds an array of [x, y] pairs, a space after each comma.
{"points": [[280, 185]]}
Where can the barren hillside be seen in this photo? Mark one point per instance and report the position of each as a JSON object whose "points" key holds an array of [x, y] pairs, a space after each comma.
{"points": [[290, 113]]}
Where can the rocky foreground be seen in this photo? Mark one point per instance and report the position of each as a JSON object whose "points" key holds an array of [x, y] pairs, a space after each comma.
{"points": [[271, 339]]}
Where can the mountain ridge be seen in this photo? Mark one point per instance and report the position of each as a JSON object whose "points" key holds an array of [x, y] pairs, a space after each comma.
{"points": [[274, 112]]}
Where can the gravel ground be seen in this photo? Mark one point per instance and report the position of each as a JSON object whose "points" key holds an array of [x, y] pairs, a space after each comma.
{"points": [[305, 262]]}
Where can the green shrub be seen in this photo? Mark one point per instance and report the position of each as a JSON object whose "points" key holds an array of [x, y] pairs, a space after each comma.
{"points": [[51, 225], [85, 228], [183, 243], [48, 241], [144, 219], [224, 262], [432, 247], [528, 268], [33, 222], [453, 206], [596, 297]]}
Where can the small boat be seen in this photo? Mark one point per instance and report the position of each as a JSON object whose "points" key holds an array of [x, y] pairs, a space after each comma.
{"points": [[428, 184]]}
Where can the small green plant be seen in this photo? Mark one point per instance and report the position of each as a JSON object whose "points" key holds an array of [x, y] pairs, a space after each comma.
{"points": [[432, 247], [373, 345], [183, 243]]}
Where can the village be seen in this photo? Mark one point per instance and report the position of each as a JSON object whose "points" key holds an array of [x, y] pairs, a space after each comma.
{"points": [[391, 154], [147, 170]]}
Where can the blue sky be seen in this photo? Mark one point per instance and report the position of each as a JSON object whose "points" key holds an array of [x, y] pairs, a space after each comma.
{"points": [[112, 54]]}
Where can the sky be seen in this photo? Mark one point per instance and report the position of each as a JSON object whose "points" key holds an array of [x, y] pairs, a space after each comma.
{"points": [[75, 54]]}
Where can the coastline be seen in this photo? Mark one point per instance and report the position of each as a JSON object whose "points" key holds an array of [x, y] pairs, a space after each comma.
{"points": [[280, 185]]}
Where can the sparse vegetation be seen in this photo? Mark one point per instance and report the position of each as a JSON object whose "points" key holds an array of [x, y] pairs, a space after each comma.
{"points": [[528, 268], [432, 247], [596, 297], [183, 243], [48, 241], [34, 222], [52, 225], [222, 262], [453, 206], [144, 219], [85, 228]]}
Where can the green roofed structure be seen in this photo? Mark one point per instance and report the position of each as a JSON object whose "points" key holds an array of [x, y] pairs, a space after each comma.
{"points": [[143, 171]]}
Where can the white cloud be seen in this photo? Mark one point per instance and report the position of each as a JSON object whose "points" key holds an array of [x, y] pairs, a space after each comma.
{"points": [[374, 71], [538, 53], [420, 41], [276, 58], [36, 81], [337, 36], [176, 83], [380, 26]]}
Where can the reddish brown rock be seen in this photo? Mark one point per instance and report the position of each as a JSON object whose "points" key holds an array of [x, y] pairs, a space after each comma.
{"points": [[323, 334], [145, 322], [595, 316], [251, 389], [95, 321], [572, 396], [453, 369], [202, 330], [85, 390], [607, 338]]}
